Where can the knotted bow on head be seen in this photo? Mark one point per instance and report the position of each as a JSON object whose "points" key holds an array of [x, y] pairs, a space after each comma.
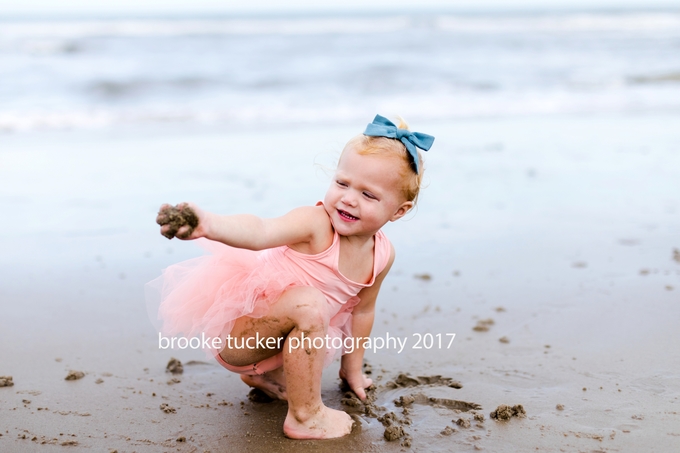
{"points": [[382, 127]]}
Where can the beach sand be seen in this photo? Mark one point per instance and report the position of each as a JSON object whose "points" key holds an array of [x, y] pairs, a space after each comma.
{"points": [[546, 244]]}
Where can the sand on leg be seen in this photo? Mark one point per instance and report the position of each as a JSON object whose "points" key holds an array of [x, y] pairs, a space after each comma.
{"points": [[272, 383], [300, 311]]}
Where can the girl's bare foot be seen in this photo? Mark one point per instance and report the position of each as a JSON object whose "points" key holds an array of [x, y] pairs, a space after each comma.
{"points": [[273, 383], [325, 423]]}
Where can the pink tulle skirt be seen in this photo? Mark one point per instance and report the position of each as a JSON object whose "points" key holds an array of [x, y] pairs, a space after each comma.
{"points": [[202, 297]]}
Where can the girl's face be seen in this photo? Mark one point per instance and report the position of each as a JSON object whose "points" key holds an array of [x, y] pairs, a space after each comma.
{"points": [[365, 194]]}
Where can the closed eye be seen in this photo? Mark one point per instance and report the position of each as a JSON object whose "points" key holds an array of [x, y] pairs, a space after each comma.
{"points": [[370, 195], [341, 183]]}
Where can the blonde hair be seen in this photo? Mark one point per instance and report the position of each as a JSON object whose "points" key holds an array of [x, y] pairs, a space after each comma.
{"points": [[393, 148]]}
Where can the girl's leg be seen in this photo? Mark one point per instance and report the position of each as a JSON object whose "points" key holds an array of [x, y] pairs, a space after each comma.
{"points": [[300, 311]]}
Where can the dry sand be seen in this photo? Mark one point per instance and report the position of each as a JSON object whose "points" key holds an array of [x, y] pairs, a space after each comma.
{"points": [[557, 237]]}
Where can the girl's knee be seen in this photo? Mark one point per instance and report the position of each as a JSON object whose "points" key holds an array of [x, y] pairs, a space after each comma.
{"points": [[308, 306]]}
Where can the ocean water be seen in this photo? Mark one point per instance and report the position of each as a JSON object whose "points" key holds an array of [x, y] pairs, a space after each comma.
{"points": [[250, 72]]}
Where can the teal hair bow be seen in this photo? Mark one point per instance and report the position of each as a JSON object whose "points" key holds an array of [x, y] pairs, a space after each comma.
{"points": [[382, 127]]}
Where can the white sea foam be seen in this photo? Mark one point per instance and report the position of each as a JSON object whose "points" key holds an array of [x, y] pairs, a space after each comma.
{"points": [[277, 112], [252, 71], [622, 22], [72, 29], [170, 28]]}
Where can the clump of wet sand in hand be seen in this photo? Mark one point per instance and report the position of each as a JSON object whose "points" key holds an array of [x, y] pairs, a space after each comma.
{"points": [[74, 375], [6, 381], [176, 217], [483, 325], [174, 366], [504, 412]]}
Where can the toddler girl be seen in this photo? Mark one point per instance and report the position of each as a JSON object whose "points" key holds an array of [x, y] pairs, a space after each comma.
{"points": [[275, 294]]}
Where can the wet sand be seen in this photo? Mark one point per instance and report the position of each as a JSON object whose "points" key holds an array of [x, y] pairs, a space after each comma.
{"points": [[556, 236]]}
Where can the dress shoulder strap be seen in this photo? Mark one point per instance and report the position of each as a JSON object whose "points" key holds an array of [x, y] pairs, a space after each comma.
{"points": [[382, 251]]}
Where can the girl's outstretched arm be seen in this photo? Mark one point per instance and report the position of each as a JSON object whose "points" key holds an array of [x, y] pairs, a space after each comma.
{"points": [[306, 224], [362, 324]]}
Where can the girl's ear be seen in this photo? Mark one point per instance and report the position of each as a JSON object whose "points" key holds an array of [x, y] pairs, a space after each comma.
{"points": [[402, 210]]}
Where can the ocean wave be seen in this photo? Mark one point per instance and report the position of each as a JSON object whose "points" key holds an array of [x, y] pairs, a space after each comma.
{"points": [[45, 46], [671, 77], [117, 89], [168, 28], [278, 112], [239, 72], [81, 29], [621, 22]]}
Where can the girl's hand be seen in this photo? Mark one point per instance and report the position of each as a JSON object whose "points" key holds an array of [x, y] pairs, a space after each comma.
{"points": [[358, 382], [184, 221]]}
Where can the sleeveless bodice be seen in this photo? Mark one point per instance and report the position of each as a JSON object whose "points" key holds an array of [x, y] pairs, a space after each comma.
{"points": [[321, 270]]}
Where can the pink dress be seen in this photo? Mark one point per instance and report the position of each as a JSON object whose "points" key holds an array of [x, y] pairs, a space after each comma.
{"points": [[203, 297]]}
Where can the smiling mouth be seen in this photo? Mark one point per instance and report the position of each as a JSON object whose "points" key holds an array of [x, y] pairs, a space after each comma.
{"points": [[346, 215]]}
